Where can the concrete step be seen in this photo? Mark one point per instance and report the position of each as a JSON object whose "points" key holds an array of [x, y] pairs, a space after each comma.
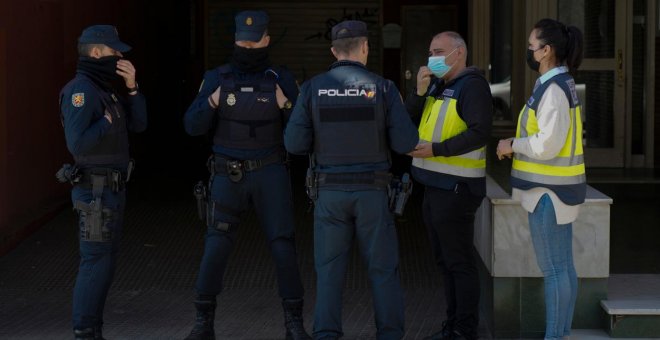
{"points": [[632, 318], [592, 334], [582, 334]]}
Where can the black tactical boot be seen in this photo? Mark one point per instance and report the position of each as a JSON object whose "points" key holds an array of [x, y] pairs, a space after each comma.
{"points": [[293, 320], [203, 329], [83, 334], [446, 332]]}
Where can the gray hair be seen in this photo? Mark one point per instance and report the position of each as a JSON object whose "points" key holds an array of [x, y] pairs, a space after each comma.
{"points": [[457, 40]]}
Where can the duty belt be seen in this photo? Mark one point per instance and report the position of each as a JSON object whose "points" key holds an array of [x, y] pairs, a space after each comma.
{"points": [[378, 179], [112, 178], [221, 165]]}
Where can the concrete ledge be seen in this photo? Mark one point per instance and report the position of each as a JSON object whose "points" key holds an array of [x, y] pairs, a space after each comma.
{"points": [[631, 307], [504, 243]]}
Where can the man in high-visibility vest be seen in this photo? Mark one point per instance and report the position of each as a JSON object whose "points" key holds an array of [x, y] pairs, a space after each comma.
{"points": [[456, 107]]}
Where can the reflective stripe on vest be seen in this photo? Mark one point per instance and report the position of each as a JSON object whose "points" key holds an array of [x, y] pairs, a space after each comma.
{"points": [[440, 121], [567, 168]]}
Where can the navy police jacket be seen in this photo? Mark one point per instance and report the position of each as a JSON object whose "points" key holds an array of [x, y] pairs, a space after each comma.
{"points": [[248, 123], [350, 118], [90, 137]]}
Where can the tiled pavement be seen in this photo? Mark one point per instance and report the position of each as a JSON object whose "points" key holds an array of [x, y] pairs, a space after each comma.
{"points": [[161, 248]]}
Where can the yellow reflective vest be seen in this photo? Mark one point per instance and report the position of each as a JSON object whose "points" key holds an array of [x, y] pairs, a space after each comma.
{"points": [[441, 121], [565, 173]]}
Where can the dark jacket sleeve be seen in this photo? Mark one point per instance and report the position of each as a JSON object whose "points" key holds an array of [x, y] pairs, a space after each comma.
{"points": [[137, 108], [199, 117], [415, 105], [287, 83], [299, 132], [475, 106], [403, 135], [82, 129]]}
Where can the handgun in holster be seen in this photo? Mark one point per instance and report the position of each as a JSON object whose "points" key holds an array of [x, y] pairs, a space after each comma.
{"points": [[199, 191], [129, 169], [94, 217], [311, 181], [399, 191], [311, 184]]}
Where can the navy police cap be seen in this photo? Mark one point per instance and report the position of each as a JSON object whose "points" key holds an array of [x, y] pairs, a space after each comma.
{"points": [[349, 29], [251, 25], [103, 34]]}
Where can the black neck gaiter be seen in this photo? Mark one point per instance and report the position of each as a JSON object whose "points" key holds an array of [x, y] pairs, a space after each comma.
{"points": [[102, 71], [250, 59]]}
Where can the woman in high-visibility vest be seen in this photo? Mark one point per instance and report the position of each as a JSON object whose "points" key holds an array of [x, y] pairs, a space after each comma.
{"points": [[548, 174]]}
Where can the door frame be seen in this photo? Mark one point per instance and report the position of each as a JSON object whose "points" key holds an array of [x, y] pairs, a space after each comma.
{"points": [[615, 156], [645, 160]]}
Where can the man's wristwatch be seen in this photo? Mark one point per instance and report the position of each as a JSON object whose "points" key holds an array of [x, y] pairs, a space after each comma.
{"points": [[287, 105], [134, 89]]}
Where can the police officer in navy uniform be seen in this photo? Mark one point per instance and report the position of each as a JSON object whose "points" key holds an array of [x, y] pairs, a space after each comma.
{"points": [[98, 108], [350, 119], [245, 104]]}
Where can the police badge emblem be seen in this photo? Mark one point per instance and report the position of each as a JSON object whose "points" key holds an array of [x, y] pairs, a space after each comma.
{"points": [[231, 99], [78, 99]]}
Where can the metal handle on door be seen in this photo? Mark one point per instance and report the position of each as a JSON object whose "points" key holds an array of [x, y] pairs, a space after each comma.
{"points": [[408, 75]]}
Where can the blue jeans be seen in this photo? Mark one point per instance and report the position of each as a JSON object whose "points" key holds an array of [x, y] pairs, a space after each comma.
{"points": [[340, 217], [97, 262], [553, 244], [269, 190]]}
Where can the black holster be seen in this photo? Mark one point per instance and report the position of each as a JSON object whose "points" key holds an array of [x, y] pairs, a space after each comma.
{"points": [[398, 191], [206, 208], [200, 193], [94, 218], [312, 185]]}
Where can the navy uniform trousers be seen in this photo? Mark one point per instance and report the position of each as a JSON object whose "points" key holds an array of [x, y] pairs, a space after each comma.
{"points": [[268, 189], [340, 217], [98, 261]]}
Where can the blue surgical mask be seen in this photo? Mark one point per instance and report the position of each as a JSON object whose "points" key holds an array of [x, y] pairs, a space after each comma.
{"points": [[438, 66]]}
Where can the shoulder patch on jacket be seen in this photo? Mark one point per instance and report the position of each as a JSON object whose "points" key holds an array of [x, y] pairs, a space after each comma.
{"points": [[78, 99]]}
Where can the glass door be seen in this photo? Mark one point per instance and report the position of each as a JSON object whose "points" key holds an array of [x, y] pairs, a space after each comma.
{"points": [[601, 79]]}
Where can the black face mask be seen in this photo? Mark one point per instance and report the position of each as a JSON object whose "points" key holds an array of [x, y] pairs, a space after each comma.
{"points": [[250, 59], [531, 62], [102, 71]]}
